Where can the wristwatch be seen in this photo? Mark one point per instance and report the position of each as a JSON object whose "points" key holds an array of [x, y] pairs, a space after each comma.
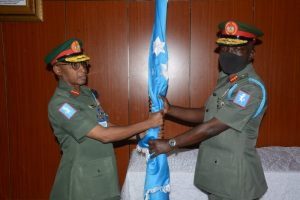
{"points": [[172, 143]]}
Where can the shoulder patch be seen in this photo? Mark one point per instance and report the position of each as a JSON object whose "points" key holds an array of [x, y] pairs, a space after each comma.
{"points": [[67, 110], [241, 98]]}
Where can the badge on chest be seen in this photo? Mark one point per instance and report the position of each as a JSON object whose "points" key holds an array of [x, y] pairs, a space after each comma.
{"points": [[102, 117], [220, 103]]}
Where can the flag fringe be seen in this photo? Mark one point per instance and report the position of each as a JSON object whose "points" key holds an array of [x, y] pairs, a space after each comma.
{"points": [[165, 189], [144, 151]]}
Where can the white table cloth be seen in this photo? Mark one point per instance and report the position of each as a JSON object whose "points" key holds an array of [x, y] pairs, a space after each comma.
{"points": [[281, 166]]}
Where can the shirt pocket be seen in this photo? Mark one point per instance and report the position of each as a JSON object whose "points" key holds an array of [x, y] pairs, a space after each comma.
{"points": [[217, 166], [216, 159], [98, 179]]}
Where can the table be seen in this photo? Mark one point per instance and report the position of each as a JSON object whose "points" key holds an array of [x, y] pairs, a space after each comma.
{"points": [[281, 167]]}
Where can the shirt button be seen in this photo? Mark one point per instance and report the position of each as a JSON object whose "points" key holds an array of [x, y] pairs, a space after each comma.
{"points": [[214, 94], [207, 110], [216, 161]]}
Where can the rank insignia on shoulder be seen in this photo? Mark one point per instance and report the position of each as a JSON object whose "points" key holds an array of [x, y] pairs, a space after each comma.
{"points": [[241, 98], [67, 110]]}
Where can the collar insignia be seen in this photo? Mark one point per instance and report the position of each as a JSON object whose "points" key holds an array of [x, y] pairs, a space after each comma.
{"points": [[233, 78], [75, 93]]}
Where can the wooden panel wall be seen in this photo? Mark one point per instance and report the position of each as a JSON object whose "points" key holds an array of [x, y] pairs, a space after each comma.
{"points": [[178, 38], [33, 152], [140, 17], [116, 36], [278, 62], [4, 133]]}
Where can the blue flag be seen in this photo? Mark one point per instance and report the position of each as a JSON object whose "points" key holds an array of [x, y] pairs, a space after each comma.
{"points": [[157, 182]]}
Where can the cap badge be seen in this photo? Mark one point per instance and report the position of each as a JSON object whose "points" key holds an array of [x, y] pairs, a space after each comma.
{"points": [[231, 28], [75, 46]]}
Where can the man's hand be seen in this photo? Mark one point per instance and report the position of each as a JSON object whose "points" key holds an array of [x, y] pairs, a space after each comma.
{"points": [[159, 146], [167, 105], [156, 119]]}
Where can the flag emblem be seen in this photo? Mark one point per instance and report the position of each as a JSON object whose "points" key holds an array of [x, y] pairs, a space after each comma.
{"points": [[241, 98], [67, 110]]}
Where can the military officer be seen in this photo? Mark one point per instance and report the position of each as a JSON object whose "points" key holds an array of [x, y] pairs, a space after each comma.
{"points": [[228, 166], [87, 169]]}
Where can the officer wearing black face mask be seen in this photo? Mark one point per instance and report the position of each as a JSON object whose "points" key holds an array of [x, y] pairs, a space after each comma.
{"points": [[236, 45], [234, 59], [228, 166]]}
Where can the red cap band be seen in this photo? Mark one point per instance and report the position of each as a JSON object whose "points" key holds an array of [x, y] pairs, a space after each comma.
{"points": [[63, 53], [240, 33]]}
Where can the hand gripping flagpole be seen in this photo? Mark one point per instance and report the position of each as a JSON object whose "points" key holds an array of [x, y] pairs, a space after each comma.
{"points": [[157, 181]]}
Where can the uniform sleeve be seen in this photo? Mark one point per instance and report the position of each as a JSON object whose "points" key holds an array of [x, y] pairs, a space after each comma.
{"points": [[72, 118], [241, 107]]}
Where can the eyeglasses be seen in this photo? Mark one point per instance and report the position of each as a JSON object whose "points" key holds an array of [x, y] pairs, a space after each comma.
{"points": [[76, 66]]}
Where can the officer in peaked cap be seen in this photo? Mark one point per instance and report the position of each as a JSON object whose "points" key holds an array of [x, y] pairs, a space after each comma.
{"points": [[87, 168], [228, 166], [235, 33], [70, 51]]}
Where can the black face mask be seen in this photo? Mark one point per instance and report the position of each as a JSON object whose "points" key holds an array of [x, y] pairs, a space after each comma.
{"points": [[231, 63]]}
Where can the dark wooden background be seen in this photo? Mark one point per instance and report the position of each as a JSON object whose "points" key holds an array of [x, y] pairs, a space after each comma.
{"points": [[116, 36]]}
